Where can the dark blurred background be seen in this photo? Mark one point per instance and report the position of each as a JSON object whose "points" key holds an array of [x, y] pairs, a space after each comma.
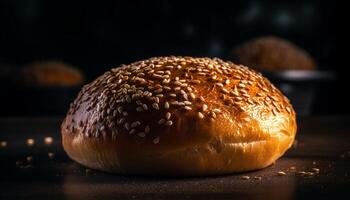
{"points": [[94, 36]]}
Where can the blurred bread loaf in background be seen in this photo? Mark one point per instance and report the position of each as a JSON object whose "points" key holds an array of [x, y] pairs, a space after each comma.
{"points": [[272, 53], [50, 74]]}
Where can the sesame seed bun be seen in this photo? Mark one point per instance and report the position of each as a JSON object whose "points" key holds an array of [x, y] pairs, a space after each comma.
{"points": [[179, 116], [273, 54]]}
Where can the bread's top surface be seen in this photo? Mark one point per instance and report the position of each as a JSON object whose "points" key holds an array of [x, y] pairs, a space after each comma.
{"points": [[180, 100]]}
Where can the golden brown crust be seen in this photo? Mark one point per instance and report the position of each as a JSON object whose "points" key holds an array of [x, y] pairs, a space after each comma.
{"points": [[50, 73], [179, 116], [273, 53]]}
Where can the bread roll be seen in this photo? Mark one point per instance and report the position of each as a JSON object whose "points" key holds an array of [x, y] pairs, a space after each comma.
{"points": [[179, 116], [50, 74], [273, 54]]}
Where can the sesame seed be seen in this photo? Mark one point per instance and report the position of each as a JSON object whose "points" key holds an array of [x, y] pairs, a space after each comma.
{"points": [[238, 98], [246, 95], [159, 72], [30, 142], [187, 103], [114, 113], [3, 144], [128, 99], [196, 81], [241, 85], [144, 106], [157, 99], [281, 173], [175, 103], [274, 98], [227, 81], [132, 131], [217, 110], [166, 105], [29, 158], [245, 177], [141, 134], [257, 177], [166, 81], [181, 104], [161, 121], [135, 123], [193, 96], [168, 123], [200, 115], [156, 140], [167, 88], [127, 126], [265, 89], [246, 119], [155, 106], [219, 84], [315, 170], [185, 96], [120, 109], [167, 115], [177, 83], [156, 76], [187, 108], [274, 112], [121, 120], [172, 95], [147, 129], [224, 91], [201, 98], [158, 90], [259, 94], [309, 174], [169, 67], [302, 173], [125, 113], [288, 109], [204, 107], [139, 109], [244, 91], [51, 155], [48, 140]]}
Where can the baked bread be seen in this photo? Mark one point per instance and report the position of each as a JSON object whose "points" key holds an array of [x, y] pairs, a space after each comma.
{"points": [[273, 54], [179, 116], [50, 74]]}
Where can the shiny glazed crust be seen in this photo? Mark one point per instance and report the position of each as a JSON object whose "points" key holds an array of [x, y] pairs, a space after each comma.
{"points": [[179, 116]]}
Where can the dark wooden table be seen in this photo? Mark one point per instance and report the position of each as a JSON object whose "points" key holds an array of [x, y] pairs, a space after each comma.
{"points": [[27, 172]]}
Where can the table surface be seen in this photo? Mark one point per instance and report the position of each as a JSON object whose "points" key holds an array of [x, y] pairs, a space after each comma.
{"points": [[322, 143]]}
